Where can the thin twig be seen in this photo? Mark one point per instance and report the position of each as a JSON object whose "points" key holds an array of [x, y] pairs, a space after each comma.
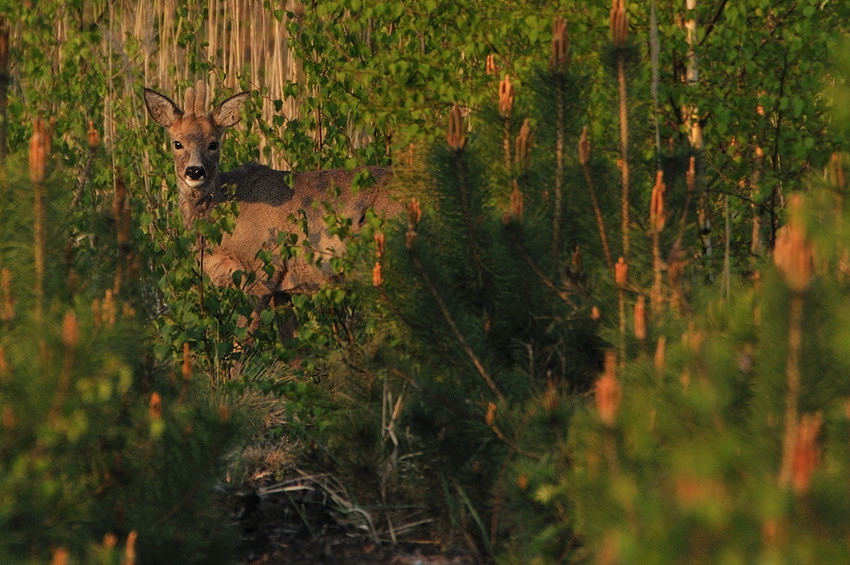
{"points": [[467, 349], [547, 282], [559, 163], [600, 220], [624, 150]]}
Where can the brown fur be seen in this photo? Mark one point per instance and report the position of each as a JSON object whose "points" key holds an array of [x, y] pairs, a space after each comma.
{"points": [[270, 202]]}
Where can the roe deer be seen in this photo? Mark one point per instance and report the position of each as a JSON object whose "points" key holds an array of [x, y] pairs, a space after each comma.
{"points": [[270, 202]]}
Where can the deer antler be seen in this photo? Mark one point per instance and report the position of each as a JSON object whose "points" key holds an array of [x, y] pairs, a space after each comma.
{"points": [[196, 99]]}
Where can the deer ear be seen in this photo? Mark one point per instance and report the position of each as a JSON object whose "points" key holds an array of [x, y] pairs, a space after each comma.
{"points": [[161, 108], [229, 112]]}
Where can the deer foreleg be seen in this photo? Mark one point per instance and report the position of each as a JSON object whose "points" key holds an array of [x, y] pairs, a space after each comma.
{"points": [[219, 267]]}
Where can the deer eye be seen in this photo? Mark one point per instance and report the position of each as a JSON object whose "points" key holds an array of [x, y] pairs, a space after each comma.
{"points": [[177, 145], [213, 146]]}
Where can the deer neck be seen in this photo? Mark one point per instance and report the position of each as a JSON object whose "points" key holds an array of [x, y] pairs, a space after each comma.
{"points": [[196, 203]]}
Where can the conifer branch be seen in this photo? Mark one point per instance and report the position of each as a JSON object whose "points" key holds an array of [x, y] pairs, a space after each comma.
{"points": [[494, 427], [456, 140], [547, 282], [469, 222], [584, 160], [654, 49], [498, 498], [414, 215], [619, 35], [557, 63], [619, 24], [447, 316], [624, 153], [559, 163]]}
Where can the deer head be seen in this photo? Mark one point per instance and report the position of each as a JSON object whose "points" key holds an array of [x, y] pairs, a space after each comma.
{"points": [[195, 134]]}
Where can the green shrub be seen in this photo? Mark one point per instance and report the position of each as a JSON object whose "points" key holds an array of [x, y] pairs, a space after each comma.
{"points": [[99, 439]]}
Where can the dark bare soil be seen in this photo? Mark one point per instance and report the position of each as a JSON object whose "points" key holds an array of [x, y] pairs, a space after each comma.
{"points": [[297, 522]]}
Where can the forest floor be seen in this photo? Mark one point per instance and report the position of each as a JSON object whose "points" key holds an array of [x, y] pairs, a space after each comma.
{"points": [[294, 522], [285, 516]]}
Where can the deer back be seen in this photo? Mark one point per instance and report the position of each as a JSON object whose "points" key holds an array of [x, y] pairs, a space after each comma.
{"points": [[273, 204]]}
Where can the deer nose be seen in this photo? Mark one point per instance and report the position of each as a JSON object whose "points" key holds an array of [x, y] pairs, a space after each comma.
{"points": [[195, 173]]}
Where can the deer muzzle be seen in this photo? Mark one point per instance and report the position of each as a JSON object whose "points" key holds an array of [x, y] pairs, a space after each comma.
{"points": [[195, 173]]}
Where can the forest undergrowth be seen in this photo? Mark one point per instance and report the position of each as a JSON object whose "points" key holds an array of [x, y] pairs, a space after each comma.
{"points": [[608, 326]]}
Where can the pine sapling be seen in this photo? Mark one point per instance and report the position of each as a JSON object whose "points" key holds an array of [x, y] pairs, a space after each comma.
{"points": [[793, 256], [39, 151], [657, 218], [619, 35], [557, 64]]}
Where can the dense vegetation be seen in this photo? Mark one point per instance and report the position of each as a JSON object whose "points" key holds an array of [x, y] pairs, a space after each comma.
{"points": [[608, 328]]}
